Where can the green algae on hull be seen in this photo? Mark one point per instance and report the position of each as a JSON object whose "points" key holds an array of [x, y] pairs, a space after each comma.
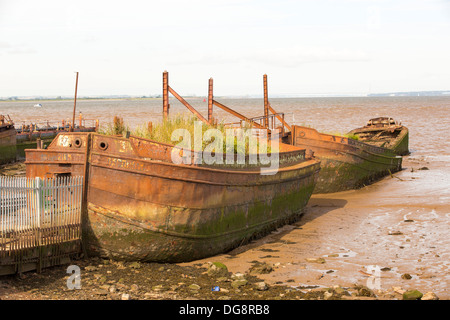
{"points": [[7, 154], [7, 140], [345, 163], [133, 241]]}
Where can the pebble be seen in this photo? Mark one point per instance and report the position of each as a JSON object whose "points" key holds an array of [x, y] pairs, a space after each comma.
{"points": [[412, 295], [316, 260], [134, 287], [125, 296], [261, 268], [406, 276], [327, 295], [398, 290], [101, 292], [239, 283], [429, 296], [135, 265], [217, 269], [194, 287], [261, 286], [238, 276]]}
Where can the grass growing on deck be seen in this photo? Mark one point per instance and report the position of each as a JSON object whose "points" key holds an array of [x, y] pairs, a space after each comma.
{"points": [[164, 131]]}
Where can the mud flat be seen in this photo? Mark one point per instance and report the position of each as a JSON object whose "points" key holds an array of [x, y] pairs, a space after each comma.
{"points": [[391, 235]]}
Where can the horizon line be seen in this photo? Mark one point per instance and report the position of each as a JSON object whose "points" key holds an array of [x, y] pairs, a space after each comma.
{"points": [[247, 96]]}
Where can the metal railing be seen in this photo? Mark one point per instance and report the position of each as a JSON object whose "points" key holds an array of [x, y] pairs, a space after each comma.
{"points": [[40, 222]]}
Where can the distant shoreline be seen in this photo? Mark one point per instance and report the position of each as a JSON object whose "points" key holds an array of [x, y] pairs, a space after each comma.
{"points": [[312, 96], [78, 99]]}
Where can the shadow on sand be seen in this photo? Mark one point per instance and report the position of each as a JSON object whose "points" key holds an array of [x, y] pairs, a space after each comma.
{"points": [[316, 207]]}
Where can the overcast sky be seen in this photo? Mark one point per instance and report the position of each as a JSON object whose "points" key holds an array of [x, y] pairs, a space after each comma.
{"points": [[305, 47]]}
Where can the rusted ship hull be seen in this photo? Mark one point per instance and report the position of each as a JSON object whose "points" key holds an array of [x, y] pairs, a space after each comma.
{"points": [[142, 207], [385, 132], [345, 163], [7, 143]]}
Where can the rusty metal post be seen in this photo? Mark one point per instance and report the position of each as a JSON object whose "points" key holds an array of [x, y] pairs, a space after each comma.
{"points": [[150, 127], [165, 95], [210, 101], [75, 104], [266, 103], [81, 119], [85, 190]]}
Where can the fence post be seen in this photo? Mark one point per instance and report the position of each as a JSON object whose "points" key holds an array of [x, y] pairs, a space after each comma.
{"points": [[39, 215]]}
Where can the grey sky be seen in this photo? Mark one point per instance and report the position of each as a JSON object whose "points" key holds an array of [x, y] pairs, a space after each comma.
{"points": [[305, 47]]}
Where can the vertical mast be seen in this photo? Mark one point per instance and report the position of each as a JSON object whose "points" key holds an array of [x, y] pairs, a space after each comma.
{"points": [[74, 104], [210, 101], [266, 103], [165, 95]]}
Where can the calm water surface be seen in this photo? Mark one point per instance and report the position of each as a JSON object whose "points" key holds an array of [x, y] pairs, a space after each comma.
{"points": [[426, 117]]}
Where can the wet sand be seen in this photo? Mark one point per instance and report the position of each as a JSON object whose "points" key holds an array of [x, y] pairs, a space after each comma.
{"points": [[399, 224]]}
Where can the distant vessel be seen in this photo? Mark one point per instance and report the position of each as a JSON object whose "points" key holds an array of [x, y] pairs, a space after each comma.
{"points": [[38, 105], [27, 135]]}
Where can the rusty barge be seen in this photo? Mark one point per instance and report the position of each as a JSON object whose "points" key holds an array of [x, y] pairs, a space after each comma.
{"points": [[7, 140], [139, 205], [28, 135], [384, 132], [346, 163]]}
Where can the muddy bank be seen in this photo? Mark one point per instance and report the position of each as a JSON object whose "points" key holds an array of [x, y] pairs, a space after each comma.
{"points": [[111, 280], [391, 235]]}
